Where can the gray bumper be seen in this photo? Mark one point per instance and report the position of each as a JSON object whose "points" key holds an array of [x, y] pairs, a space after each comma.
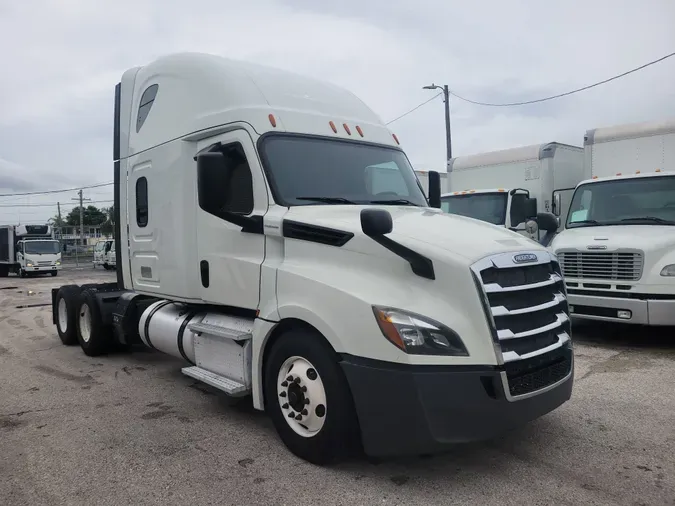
{"points": [[642, 312]]}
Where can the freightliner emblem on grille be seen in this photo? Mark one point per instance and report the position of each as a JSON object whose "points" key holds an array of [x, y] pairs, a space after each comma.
{"points": [[524, 258]]}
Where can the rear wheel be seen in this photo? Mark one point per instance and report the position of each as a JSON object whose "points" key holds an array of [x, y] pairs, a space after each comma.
{"points": [[66, 310], [4, 271], [308, 398], [93, 335]]}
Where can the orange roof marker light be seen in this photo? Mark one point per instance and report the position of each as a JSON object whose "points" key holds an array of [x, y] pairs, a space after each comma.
{"points": [[358, 129], [273, 120], [396, 139], [594, 177], [618, 173], [349, 132], [500, 189], [657, 170], [637, 171], [472, 191], [332, 125]]}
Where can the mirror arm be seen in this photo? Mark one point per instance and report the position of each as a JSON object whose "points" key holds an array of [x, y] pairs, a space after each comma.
{"points": [[250, 224]]}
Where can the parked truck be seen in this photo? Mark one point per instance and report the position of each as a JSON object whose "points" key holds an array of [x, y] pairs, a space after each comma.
{"points": [[511, 187], [617, 249], [28, 250], [256, 241], [103, 256]]}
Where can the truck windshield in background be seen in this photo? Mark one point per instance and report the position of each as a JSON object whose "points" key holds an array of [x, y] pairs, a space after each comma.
{"points": [[310, 171], [490, 207], [637, 201], [41, 247]]}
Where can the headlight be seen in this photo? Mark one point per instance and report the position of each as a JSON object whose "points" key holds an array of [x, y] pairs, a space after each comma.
{"points": [[418, 335], [668, 270], [29, 264], [58, 262]]}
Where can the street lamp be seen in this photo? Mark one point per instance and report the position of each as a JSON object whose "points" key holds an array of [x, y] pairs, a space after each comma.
{"points": [[446, 97]]}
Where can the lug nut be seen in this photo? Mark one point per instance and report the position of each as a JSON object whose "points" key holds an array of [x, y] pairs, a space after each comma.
{"points": [[291, 415], [303, 388], [304, 412], [284, 384], [306, 401], [299, 417], [289, 378], [282, 394], [284, 406], [297, 380]]}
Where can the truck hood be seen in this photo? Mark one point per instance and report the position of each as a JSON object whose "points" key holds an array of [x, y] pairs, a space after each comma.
{"points": [[644, 237], [465, 237]]}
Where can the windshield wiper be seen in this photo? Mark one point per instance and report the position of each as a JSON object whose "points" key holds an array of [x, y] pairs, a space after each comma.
{"points": [[584, 222], [653, 219], [404, 202], [329, 200]]}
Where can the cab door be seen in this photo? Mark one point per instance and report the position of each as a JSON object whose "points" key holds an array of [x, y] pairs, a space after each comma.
{"points": [[230, 260]]}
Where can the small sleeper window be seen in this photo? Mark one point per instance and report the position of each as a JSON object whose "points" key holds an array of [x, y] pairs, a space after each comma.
{"points": [[147, 99], [142, 202]]}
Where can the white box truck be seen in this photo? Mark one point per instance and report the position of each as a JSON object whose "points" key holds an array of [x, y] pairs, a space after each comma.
{"points": [[28, 250], [617, 249], [102, 254], [511, 187], [256, 241]]}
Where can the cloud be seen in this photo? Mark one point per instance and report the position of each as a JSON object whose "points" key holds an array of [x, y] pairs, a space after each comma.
{"points": [[56, 99]]}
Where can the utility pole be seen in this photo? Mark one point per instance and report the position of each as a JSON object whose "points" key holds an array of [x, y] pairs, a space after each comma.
{"points": [[446, 99], [81, 199], [58, 206]]}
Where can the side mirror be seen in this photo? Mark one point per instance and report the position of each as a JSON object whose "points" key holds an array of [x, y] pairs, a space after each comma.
{"points": [[212, 176], [376, 222], [547, 222], [530, 208], [434, 189], [556, 204]]}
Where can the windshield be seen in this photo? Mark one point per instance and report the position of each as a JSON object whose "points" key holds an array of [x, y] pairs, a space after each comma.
{"points": [[41, 247], [640, 201], [490, 207], [310, 171]]}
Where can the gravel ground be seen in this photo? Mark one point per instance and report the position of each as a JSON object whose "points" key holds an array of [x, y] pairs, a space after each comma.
{"points": [[131, 429]]}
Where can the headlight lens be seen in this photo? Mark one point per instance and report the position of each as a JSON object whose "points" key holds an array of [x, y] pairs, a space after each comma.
{"points": [[58, 262], [668, 270], [418, 335], [29, 264]]}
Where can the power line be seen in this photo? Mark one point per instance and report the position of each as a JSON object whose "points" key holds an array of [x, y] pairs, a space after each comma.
{"points": [[552, 97], [54, 204], [45, 192], [413, 109], [544, 99]]}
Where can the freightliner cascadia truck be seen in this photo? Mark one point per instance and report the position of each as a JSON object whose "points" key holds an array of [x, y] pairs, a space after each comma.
{"points": [[258, 240]]}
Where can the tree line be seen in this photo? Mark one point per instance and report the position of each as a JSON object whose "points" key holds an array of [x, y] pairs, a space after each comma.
{"points": [[93, 217]]}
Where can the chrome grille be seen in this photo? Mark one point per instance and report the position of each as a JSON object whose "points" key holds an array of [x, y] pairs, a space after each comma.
{"points": [[44, 262], [616, 265], [526, 307]]}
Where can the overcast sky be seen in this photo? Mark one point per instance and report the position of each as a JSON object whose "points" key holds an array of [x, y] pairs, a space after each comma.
{"points": [[60, 60]]}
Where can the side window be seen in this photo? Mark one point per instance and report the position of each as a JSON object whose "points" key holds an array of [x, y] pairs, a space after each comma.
{"points": [[147, 99], [231, 191], [142, 202]]}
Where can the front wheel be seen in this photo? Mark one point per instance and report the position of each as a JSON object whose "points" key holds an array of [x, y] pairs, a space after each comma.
{"points": [[55, 273], [22, 273], [308, 398]]}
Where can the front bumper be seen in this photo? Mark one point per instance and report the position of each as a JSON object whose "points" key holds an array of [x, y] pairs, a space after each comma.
{"points": [[43, 268], [642, 311], [404, 409]]}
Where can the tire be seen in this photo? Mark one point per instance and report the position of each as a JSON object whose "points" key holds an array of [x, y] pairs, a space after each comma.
{"points": [[94, 336], [55, 273], [66, 312], [22, 273], [331, 432], [4, 271]]}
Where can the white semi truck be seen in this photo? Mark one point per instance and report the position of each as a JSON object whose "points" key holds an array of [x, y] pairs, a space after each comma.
{"points": [[29, 249], [512, 187], [255, 241], [617, 249]]}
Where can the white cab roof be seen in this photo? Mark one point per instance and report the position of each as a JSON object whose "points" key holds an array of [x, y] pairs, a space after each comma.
{"points": [[637, 175], [200, 91]]}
